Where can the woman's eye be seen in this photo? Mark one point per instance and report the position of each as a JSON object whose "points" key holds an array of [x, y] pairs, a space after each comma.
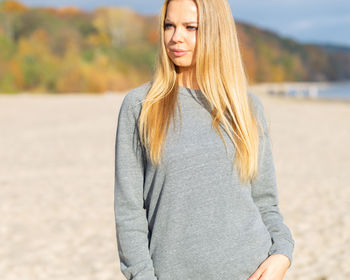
{"points": [[188, 27], [192, 27]]}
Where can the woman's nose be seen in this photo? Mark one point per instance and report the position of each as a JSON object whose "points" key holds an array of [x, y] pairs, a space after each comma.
{"points": [[178, 35]]}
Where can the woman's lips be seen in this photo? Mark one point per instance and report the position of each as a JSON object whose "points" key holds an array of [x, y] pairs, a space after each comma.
{"points": [[179, 52]]}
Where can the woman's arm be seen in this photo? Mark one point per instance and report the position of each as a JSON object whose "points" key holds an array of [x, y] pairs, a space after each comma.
{"points": [[265, 194], [130, 215]]}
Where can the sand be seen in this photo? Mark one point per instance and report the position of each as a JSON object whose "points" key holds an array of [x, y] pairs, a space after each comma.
{"points": [[57, 160]]}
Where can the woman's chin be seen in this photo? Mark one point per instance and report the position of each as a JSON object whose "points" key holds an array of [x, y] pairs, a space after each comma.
{"points": [[182, 64]]}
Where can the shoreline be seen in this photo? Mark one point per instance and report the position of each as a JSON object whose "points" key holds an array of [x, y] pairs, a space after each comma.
{"points": [[305, 91], [325, 91]]}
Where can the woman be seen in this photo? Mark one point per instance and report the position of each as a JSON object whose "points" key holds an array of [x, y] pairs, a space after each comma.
{"points": [[195, 188]]}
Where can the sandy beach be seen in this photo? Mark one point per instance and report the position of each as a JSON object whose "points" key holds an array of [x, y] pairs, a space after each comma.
{"points": [[57, 175]]}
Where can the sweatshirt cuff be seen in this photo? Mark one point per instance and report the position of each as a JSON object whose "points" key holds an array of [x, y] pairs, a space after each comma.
{"points": [[141, 271], [282, 246]]}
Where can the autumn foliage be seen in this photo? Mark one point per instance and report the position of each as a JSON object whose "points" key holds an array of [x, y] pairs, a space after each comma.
{"points": [[114, 49]]}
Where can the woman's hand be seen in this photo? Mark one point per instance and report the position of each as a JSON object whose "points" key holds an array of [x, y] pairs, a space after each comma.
{"points": [[273, 268]]}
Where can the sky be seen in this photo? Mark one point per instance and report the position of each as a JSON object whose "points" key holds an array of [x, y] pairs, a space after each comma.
{"points": [[312, 21]]}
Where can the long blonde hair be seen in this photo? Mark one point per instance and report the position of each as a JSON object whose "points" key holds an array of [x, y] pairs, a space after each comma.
{"points": [[220, 76]]}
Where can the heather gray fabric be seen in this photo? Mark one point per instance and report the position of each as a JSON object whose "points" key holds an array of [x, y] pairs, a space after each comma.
{"points": [[190, 218]]}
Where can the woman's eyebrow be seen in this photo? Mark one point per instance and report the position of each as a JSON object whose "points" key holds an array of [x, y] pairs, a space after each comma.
{"points": [[188, 22]]}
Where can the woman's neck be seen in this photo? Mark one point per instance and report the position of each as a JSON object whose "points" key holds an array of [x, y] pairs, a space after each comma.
{"points": [[187, 78]]}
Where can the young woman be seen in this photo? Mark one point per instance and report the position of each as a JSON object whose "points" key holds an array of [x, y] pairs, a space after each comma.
{"points": [[195, 187]]}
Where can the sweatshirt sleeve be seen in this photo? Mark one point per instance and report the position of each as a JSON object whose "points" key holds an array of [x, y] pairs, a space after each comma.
{"points": [[130, 214], [265, 194]]}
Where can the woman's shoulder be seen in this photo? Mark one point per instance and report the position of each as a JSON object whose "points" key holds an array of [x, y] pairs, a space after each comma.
{"points": [[255, 102], [135, 96], [259, 111]]}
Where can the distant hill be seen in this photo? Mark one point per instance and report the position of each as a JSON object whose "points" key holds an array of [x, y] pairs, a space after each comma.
{"points": [[334, 48], [114, 49], [293, 60]]}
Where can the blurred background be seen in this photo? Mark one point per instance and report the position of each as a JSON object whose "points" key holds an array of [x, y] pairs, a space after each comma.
{"points": [[93, 46], [65, 67]]}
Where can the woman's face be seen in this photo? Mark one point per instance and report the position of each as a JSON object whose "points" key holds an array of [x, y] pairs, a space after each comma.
{"points": [[180, 32]]}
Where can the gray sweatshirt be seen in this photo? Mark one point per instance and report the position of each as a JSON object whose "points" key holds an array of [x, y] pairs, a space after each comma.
{"points": [[190, 217]]}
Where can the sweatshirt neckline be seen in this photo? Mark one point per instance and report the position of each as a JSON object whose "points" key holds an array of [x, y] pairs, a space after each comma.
{"points": [[188, 91]]}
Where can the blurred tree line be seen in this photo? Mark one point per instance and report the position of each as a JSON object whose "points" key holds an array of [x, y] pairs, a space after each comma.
{"points": [[114, 49]]}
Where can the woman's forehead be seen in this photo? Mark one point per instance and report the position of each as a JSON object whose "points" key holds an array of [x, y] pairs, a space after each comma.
{"points": [[184, 9]]}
